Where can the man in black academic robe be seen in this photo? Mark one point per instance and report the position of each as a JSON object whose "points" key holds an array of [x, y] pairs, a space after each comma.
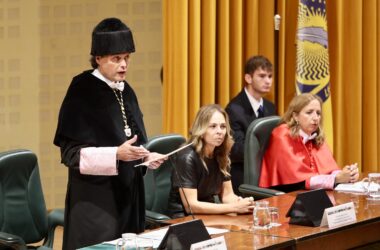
{"points": [[100, 130]]}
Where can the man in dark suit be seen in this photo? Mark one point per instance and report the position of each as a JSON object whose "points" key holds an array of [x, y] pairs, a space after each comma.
{"points": [[247, 106]]}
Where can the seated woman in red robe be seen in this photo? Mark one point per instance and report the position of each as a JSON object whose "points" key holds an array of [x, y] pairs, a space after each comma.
{"points": [[297, 156]]}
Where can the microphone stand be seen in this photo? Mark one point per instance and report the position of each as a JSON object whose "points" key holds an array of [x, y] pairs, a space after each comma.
{"points": [[277, 22], [181, 187]]}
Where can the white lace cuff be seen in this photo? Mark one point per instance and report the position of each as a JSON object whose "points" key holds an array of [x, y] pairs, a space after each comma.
{"points": [[98, 161]]}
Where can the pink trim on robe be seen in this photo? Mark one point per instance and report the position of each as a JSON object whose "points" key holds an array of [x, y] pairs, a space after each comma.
{"points": [[98, 161], [323, 181]]}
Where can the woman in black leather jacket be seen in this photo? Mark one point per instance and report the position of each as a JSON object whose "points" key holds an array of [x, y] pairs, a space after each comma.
{"points": [[201, 182]]}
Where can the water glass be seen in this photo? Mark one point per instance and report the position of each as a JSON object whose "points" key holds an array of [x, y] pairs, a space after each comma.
{"points": [[127, 242], [144, 244], [274, 217], [372, 186], [261, 216]]}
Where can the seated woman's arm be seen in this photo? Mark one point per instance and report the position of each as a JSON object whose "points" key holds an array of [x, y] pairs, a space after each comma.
{"points": [[201, 207], [346, 175], [325, 181], [228, 195]]}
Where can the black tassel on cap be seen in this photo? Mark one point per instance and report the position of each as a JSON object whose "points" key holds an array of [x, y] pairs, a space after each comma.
{"points": [[111, 36]]}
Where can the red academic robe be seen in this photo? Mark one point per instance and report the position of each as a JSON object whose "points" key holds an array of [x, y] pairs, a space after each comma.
{"points": [[288, 160]]}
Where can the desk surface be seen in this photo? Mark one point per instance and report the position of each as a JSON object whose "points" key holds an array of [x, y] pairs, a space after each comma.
{"points": [[239, 240], [364, 230], [242, 236]]}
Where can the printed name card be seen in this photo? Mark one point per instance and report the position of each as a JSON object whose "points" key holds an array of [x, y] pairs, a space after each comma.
{"points": [[339, 215], [218, 243]]}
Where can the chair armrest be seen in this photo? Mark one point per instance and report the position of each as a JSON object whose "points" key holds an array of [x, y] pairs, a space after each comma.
{"points": [[154, 219], [258, 192], [55, 218], [156, 216], [11, 241]]}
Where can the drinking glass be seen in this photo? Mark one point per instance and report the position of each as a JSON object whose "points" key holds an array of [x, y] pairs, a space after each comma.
{"points": [[127, 242], [274, 216], [261, 216], [372, 186], [144, 244]]}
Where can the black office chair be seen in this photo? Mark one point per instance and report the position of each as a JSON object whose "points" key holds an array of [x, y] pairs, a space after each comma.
{"points": [[23, 216], [256, 142], [157, 182]]}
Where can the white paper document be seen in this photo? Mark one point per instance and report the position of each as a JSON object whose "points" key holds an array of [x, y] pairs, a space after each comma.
{"points": [[164, 156], [357, 187], [157, 235]]}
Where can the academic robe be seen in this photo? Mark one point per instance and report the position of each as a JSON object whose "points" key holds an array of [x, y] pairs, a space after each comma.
{"points": [[288, 160], [99, 208]]}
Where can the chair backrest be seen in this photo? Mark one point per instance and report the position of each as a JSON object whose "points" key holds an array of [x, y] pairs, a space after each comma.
{"points": [[256, 142], [157, 182], [22, 205]]}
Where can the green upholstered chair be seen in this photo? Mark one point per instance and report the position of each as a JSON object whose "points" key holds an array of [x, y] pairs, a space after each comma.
{"points": [[157, 182], [256, 142], [23, 216]]}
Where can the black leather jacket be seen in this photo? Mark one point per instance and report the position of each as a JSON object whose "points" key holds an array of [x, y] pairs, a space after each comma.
{"points": [[190, 172]]}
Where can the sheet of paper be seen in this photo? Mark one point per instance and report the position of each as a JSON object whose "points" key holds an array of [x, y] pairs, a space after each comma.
{"points": [[158, 235], [357, 187], [213, 230], [164, 156]]}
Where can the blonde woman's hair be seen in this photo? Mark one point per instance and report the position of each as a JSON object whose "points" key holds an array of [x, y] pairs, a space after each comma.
{"points": [[200, 125], [295, 107]]}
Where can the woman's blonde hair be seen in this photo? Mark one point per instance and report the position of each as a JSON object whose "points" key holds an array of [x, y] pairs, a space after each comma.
{"points": [[295, 107], [200, 125]]}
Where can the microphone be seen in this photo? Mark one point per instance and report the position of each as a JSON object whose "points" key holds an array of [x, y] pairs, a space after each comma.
{"points": [[277, 21], [180, 186]]}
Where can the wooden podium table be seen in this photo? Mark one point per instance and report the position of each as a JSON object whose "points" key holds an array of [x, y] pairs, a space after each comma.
{"points": [[235, 241], [364, 231]]}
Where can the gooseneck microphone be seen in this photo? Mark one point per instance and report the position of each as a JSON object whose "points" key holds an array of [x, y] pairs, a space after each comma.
{"points": [[180, 185], [277, 21]]}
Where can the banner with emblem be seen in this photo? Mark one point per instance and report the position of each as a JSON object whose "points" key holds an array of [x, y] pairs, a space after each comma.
{"points": [[312, 68]]}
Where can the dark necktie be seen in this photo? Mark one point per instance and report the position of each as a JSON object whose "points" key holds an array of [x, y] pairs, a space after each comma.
{"points": [[260, 112]]}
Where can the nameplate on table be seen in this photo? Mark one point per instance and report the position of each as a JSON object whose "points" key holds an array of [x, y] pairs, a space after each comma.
{"points": [[339, 215], [218, 243]]}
